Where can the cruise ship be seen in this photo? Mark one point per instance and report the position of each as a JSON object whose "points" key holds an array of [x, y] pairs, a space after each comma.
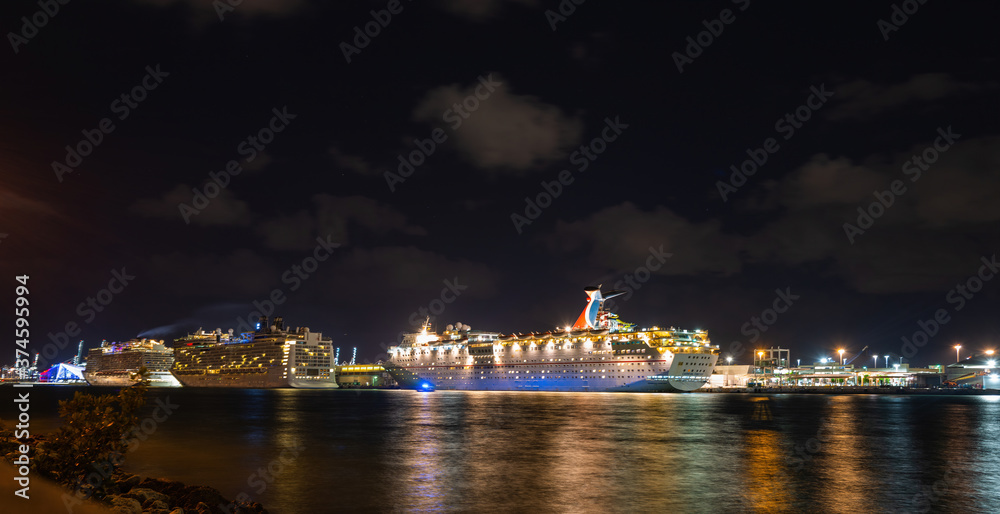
{"points": [[115, 364], [598, 353], [270, 356]]}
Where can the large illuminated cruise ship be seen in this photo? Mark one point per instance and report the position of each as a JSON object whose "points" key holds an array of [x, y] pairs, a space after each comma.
{"points": [[598, 353], [115, 364], [271, 356]]}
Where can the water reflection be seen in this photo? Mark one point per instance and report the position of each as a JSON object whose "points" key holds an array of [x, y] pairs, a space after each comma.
{"points": [[766, 483], [421, 461], [376, 451]]}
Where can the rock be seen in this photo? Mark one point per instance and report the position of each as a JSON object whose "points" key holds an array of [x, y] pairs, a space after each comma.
{"points": [[145, 494], [127, 481], [192, 496], [121, 505], [157, 505], [167, 487]]}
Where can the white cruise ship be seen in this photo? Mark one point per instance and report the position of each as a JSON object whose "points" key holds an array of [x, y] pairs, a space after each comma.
{"points": [[598, 353], [271, 356]]}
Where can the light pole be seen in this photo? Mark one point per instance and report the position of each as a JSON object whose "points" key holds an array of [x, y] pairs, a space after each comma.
{"points": [[958, 349], [886, 361], [760, 358], [729, 369], [875, 365], [841, 352]]}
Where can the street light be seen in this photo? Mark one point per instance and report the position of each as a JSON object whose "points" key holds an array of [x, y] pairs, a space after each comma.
{"points": [[875, 365], [729, 369], [760, 358], [958, 348], [887, 361], [841, 352]]}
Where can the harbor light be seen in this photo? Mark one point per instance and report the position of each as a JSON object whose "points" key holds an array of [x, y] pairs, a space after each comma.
{"points": [[887, 361], [841, 352], [958, 348]]}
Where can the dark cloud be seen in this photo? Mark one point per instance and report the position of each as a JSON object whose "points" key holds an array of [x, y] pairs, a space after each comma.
{"points": [[506, 132], [619, 238], [352, 163], [861, 98], [239, 273], [223, 210], [920, 243], [337, 218]]}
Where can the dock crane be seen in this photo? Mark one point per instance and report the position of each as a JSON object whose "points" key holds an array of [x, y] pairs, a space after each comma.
{"points": [[857, 355]]}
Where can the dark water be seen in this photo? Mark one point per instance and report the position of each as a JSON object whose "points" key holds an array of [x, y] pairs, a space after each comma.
{"points": [[378, 451]]}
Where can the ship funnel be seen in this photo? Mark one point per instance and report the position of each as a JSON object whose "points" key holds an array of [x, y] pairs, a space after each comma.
{"points": [[262, 323], [279, 323], [595, 304], [588, 318]]}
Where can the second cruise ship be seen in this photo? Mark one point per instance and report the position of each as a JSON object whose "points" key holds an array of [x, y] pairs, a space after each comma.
{"points": [[598, 353], [270, 356]]}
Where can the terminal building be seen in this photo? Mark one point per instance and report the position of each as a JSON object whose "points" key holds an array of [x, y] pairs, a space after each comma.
{"points": [[979, 370], [364, 376], [774, 367]]}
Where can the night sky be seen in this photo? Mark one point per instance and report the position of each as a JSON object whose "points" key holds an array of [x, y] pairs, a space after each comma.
{"points": [[304, 124]]}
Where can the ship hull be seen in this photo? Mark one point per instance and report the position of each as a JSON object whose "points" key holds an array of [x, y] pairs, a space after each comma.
{"points": [[267, 379], [124, 379], [601, 366]]}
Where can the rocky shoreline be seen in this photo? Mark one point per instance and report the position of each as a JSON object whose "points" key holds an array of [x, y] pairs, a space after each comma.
{"points": [[139, 495]]}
